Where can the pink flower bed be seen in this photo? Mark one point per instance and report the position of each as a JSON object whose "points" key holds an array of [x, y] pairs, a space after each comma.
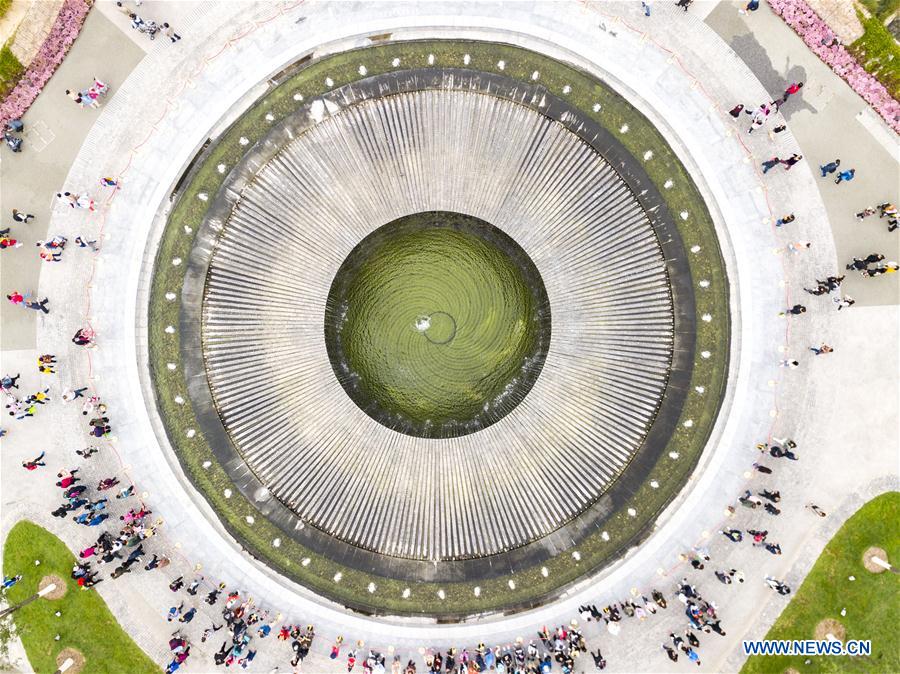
{"points": [[63, 33], [818, 37]]}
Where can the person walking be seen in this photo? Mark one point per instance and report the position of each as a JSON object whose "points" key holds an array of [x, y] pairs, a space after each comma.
{"points": [[71, 394], [816, 509], [844, 302], [7, 242], [845, 176], [790, 161], [19, 216], [8, 382], [822, 349], [795, 310], [769, 164], [865, 213], [798, 246], [830, 167], [170, 33], [35, 462], [792, 364], [83, 242], [791, 90], [784, 220], [18, 299]]}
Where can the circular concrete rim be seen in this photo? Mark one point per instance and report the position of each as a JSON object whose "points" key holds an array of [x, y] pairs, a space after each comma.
{"points": [[135, 388], [589, 569], [659, 434], [871, 566], [61, 586]]}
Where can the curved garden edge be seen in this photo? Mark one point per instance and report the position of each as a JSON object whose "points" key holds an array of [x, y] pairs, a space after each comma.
{"points": [[63, 34], [531, 585]]}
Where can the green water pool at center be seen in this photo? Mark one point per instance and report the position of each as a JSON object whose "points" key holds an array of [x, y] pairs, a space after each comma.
{"points": [[437, 324]]}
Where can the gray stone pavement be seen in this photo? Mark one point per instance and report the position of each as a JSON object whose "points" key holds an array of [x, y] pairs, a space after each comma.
{"points": [[829, 121], [763, 398], [54, 130]]}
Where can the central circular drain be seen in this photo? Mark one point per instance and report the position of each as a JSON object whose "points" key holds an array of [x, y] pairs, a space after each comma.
{"points": [[437, 324]]}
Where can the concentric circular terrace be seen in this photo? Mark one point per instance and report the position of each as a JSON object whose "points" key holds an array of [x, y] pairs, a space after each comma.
{"points": [[270, 224]]}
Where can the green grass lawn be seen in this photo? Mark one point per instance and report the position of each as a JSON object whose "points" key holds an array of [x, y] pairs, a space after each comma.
{"points": [[871, 600], [85, 624]]}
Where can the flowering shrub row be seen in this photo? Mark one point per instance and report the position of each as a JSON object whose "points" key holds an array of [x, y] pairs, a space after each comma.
{"points": [[63, 33], [823, 42]]}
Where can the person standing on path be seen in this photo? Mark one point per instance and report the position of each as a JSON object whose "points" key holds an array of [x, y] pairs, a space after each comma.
{"points": [[844, 302], [19, 300], [785, 220], [816, 509], [8, 382], [822, 349], [791, 90], [769, 164], [19, 216], [795, 310], [798, 246], [790, 161], [845, 176], [170, 33], [83, 242], [35, 462], [830, 167]]}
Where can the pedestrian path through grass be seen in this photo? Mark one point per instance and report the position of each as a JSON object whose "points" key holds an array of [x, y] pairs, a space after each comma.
{"points": [[871, 600], [86, 623]]}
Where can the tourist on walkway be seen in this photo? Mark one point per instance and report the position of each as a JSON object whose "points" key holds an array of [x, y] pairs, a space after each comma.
{"points": [[830, 167], [845, 176], [7, 242], [19, 216], [822, 349], [859, 264], [170, 33], [734, 535], [883, 268], [791, 90], [784, 220], [865, 213], [35, 462], [790, 161], [795, 310], [816, 509], [83, 242], [798, 246], [769, 164], [19, 300], [844, 302]]}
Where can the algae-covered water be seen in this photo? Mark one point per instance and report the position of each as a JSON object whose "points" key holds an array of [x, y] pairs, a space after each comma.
{"points": [[437, 324]]}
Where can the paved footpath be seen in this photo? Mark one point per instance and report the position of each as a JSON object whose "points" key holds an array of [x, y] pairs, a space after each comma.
{"points": [[826, 406]]}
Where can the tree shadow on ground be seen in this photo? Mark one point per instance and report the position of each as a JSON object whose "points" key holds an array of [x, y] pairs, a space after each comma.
{"points": [[775, 83]]}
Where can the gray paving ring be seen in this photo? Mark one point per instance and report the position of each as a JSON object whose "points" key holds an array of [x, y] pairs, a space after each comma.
{"points": [[563, 534]]}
